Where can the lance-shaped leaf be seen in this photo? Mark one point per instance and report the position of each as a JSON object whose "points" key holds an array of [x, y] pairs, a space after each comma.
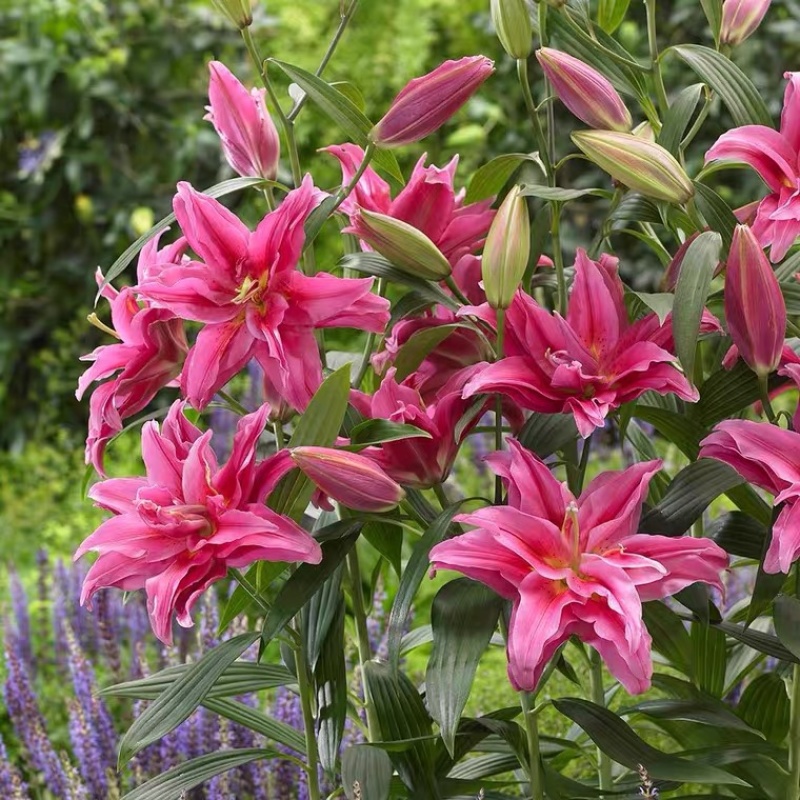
{"points": [[370, 768], [764, 705], [463, 618], [330, 678], [787, 622]]}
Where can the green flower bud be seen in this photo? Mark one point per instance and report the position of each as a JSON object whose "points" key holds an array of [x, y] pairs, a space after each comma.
{"points": [[507, 249], [513, 25], [404, 245], [637, 163], [239, 12]]}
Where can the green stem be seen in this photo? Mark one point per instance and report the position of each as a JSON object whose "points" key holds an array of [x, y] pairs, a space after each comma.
{"points": [[438, 490], [457, 293], [551, 114], [763, 389], [233, 404], [558, 260], [498, 407], [587, 449], [343, 22], [661, 94], [362, 635], [793, 784], [309, 726], [244, 582], [532, 729], [599, 698], [522, 74], [698, 123], [280, 439]]}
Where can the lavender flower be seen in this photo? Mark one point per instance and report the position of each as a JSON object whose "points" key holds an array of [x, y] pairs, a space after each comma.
{"points": [[22, 620], [11, 784]]}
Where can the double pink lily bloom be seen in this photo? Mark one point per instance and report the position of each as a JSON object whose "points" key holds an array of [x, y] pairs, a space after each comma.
{"points": [[587, 364], [149, 355], [575, 566], [766, 456], [253, 301], [178, 530], [429, 202], [775, 156]]}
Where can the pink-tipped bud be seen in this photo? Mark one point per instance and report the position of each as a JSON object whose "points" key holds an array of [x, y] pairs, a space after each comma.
{"points": [[507, 249], [426, 103], [643, 166], [239, 12], [755, 310], [407, 247], [351, 479], [740, 18], [246, 130], [584, 91]]}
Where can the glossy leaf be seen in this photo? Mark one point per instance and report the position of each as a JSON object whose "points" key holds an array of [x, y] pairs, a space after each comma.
{"points": [[387, 539], [463, 618], [490, 178], [261, 575], [318, 614], [763, 642], [560, 195], [708, 658], [787, 622], [176, 703], [764, 705], [717, 213], [713, 12], [739, 534], [677, 119], [258, 721], [743, 100], [418, 347], [670, 637], [543, 434], [330, 678], [342, 111], [691, 291], [371, 768], [704, 712], [377, 431], [611, 13]]}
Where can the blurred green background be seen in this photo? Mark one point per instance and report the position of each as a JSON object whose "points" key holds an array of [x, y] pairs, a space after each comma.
{"points": [[102, 113]]}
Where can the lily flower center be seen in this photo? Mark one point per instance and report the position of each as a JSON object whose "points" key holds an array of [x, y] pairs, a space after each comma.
{"points": [[571, 532]]}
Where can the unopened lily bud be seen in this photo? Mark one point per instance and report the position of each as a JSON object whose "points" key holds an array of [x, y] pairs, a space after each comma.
{"points": [[507, 249], [239, 12], [404, 245], [740, 18], [426, 103], [754, 306], [512, 22], [349, 478], [644, 130], [643, 166], [584, 91]]}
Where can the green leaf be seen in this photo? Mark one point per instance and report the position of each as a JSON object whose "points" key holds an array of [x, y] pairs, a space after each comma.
{"points": [[318, 614], [374, 264], [708, 658], [544, 434], [764, 705], [304, 583], [258, 721], [319, 425], [691, 291], [743, 100], [713, 12], [677, 119], [492, 176], [371, 768], [172, 784], [560, 195], [330, 678], [463, 618], [342, 111], [684, 432], [317, 218], [739, 534], [635, 207], [261, 575], [687, 497], [176, 703], [387, 539], [419, 346], [716, 212], [401, 717], [617, 740], [670, 637], [763, 642], [218, 190], [702, 711], [241, 677], [786, 615], [415, 571], [611, 13], [659, 302], [377, 431]]}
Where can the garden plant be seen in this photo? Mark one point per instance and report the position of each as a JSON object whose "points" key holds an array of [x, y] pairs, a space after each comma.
{"points": [[640, 448]]}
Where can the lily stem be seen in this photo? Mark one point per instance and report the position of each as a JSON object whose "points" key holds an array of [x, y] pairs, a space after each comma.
{"points": [[309, 725], [362, 635], [661, 94], [599, 698], [522, 74], [532, 729], [765, 401], [498, 407]]}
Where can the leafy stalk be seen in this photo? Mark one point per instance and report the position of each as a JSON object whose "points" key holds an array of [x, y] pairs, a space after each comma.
{"points": [[599, 698], [309, 725]]}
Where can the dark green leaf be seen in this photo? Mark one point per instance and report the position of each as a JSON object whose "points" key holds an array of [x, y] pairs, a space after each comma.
{"points": [[670, 637], [492, 176], [635, 207], [258, 721], [304, 583], [763, 642], [171, 785], [342, 111], [691, 291], [463, 618], [544, 434], [677, 119], [377, 431], [743, 100], [705, 712], [717, 213], [317, 218], [418, 347], [261, 575], [739, 534], [371, 768], [387, 539], [318, 614], [176, 703], [765, 706], [786, 615], [708, 658], [330, 678]]}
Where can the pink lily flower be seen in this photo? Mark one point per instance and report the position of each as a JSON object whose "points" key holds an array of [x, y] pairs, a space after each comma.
{"points": [[775, 156], [428, 202], [179, 529], [575, 566], [417, 462], [149, 355], [765, 455], [248, 135], [252, 300], [587, 364]]}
